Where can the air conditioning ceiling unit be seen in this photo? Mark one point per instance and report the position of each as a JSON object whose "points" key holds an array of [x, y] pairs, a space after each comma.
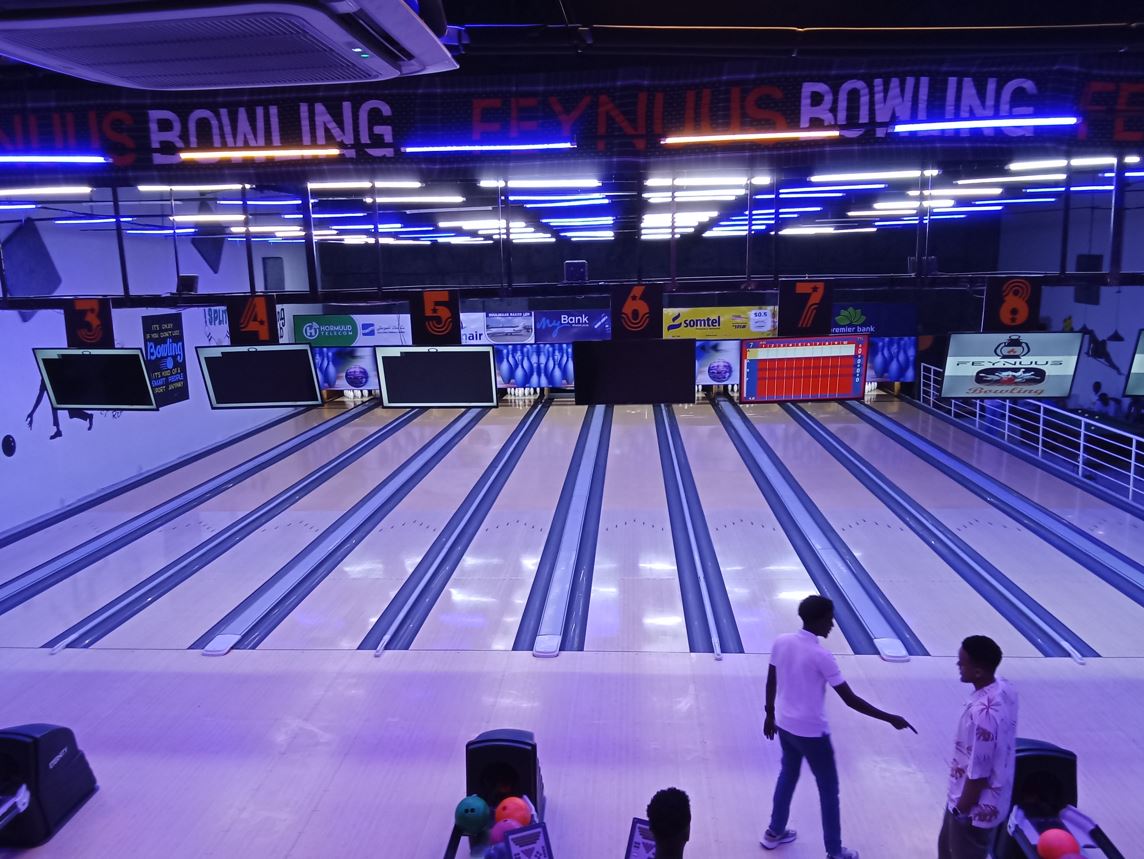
{"points": [[171, 45]]}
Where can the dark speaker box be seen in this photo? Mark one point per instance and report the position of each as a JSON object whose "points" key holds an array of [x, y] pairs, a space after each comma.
{"points": [[504, 763], [1090, 262], [47, 760], [575, 271], [187, 284]]}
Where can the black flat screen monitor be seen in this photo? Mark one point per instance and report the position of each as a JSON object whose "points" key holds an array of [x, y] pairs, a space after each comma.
{"points": [[114, 379], [1135, 385], [617, 372], [254, 377], [437, 376]]}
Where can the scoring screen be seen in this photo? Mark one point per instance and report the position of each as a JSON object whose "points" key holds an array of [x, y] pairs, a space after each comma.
{"points": [[803, 368]]}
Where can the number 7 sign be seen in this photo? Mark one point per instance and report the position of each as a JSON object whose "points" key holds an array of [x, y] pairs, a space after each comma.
{"points": [[804, 308]]}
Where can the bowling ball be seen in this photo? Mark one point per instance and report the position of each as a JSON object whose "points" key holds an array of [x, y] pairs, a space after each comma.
{"points": [[498, 851], [719, 371], [356, 376], [501, 828], [1056, 844], [514, 808], [472, 815], [8, 445]]}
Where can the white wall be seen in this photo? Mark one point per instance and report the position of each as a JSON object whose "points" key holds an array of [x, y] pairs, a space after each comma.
{"points": [[45, 474]]}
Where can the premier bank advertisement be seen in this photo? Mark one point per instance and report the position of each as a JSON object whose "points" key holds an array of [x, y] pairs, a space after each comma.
{"points": [[719, 323], [1026, 365]]}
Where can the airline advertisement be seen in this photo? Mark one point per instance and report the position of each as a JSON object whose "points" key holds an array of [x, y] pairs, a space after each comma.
{"points": [[719, 323], [1027, 365]]}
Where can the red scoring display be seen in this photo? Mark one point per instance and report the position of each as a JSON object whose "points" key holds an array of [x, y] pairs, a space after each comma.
{"points": [[803, 368]]}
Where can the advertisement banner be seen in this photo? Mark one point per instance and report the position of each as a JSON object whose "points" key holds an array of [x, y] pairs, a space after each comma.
{"points": [[164, 353], [637, 312], [347, 368], [568, 326], [536, 365], [435, 317], [716, 362], [1018, 365], [804, 308], [1012, 304], [719, 323], [509, 327], [892, 359], [332, 330], [473, 329], [880, 319]]}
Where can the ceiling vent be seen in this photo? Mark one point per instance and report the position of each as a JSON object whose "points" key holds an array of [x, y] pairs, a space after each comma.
{"points": [[225, 46]]}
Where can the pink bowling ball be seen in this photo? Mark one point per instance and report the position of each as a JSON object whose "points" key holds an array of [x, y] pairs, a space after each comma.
{"points": [[501, 828]]}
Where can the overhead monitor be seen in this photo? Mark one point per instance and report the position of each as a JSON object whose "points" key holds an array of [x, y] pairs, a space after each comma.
{"points": [[253, 377], [112, 379], [1135, 386], [437, 376], [616, 372], [1028, 365], [803, 368]]}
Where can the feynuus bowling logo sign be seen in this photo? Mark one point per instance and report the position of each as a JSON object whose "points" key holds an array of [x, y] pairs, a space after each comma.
{"points": [[637, 312]]}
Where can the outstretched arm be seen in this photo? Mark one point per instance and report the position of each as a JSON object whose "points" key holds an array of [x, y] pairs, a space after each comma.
{"points": [[854, 702], [772, 689]]}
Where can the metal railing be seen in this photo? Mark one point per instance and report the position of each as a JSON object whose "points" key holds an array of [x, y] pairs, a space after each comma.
{"points": [[1089, 448]]}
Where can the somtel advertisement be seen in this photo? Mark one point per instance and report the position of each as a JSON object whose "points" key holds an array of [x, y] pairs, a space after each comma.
{"points": [[1024, 365], [719, 323]]}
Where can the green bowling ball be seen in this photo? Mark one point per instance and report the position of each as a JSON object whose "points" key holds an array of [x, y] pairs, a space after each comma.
{"points": [[473, 815]]}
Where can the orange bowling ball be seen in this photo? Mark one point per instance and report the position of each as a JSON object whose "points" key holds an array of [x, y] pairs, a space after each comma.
{"points": [[514, 808], [1056, 844]]}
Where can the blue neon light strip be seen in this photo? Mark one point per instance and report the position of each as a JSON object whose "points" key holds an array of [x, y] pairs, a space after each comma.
{"points": [[490, 147], [1009, 122], [54, 159]]}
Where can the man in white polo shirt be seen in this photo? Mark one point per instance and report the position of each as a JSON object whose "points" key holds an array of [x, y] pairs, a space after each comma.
{"points": [[799, 672], [984, 755]]}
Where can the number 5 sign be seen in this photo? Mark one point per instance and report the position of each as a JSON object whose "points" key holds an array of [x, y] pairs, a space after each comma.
{"points": [[436, 318]]}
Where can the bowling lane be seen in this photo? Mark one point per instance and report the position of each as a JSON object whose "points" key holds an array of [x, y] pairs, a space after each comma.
{"points": [[482, 606], [1118, 528], [57, 608], [189, 610], [1093, 609], [881, 541], [636, 604], [341, 610], [46, 544], [765, 578]]}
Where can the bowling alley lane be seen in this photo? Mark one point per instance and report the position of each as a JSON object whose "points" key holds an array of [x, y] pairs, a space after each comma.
{"points": [[56, 609], [764, 577], [341, 610], [917, 582], [1118, 528], [181, 616], [636, 602], [51, 541], [1094, 610], [482, 605]]}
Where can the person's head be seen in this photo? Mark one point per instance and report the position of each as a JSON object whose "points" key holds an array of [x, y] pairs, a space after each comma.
{"points": [[1103, 397], [1096, 387], [817, 614], [977, 660], [669, 815]]}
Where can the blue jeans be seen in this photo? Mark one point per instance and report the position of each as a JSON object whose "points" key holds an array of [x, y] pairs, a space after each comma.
{"points": [[819, 753]]}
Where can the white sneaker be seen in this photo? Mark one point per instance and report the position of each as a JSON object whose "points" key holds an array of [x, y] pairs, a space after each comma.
{"points": [[770, 841], [844, 853]]}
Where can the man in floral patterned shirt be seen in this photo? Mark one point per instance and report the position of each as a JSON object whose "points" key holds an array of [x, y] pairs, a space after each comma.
{"points": [[984, 755]]}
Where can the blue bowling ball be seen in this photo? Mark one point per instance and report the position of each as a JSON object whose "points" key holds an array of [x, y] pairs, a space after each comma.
{"points": [[356, 376], [719, 371]]}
